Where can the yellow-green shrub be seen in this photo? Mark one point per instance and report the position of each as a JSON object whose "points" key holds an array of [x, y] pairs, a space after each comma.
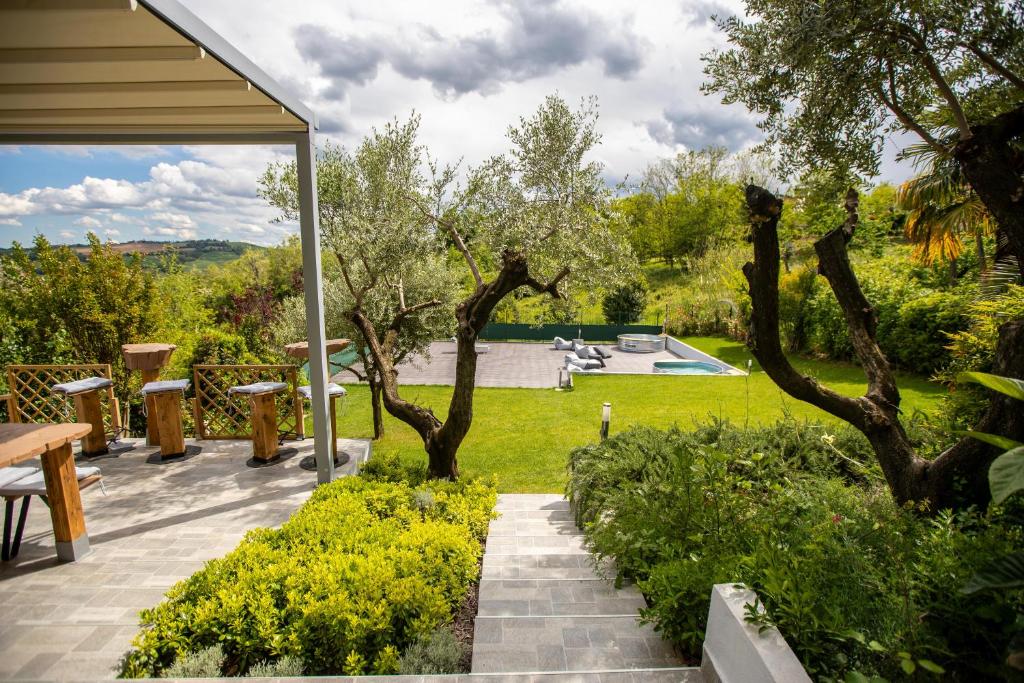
{"points": [[354, 577]]}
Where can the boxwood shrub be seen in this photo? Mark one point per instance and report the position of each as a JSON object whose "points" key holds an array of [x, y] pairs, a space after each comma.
{"points": [[361, 571]]}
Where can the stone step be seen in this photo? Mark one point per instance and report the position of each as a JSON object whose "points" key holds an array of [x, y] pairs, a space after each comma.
{"points": [[548, 597], [680, 674], [549, 515], [579, 643], [532, 501], [551, 566], [536, 545], [532, 527]]}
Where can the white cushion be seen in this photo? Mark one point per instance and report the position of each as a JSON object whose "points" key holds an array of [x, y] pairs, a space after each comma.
{"points": [[562, 345], [9, 475], [165, 385], [306, 391], [82, 385], [35, 484], [259, 388]]}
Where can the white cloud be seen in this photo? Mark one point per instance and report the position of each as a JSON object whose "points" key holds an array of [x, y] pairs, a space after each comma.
{"points": [[169, 231], [111, 233], [10, 221], [67, 234], [88, 222]]}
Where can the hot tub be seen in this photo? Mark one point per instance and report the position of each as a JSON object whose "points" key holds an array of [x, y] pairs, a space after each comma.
{"points": [[641, 343], [687, 367]]}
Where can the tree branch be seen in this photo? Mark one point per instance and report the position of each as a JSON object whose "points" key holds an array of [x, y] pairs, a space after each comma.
{"points": [[456, 238], [550, 287], [904, 117], [764, 342], [994, 64], [952, 101]]}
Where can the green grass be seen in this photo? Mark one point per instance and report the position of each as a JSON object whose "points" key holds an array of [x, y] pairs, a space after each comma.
{"points": [[524, 435]]}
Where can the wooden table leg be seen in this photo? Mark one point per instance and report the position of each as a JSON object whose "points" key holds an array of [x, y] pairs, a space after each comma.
{"points": [[264, 427], [166, 413], [152, 428], [65, 504], [87, 407]]}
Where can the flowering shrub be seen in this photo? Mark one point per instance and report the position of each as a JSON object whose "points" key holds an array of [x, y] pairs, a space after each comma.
{"points": [[354, 577], [797, 513]]}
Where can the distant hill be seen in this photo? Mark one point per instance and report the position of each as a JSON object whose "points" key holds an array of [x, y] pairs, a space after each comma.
{"points": [[191, 253]]}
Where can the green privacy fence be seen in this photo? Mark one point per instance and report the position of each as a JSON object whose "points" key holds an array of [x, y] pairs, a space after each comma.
{"points": [[591, 333]]}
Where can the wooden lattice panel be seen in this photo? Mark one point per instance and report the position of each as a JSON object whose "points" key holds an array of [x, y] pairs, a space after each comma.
{"points": [[223, 416], [34, 401]]}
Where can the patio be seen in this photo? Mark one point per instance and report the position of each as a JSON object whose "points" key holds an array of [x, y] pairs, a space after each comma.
{"points": [[157, 524]]}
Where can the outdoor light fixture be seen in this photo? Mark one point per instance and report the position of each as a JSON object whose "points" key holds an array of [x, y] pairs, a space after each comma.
{"points": [[750, 364], [606, 418]]}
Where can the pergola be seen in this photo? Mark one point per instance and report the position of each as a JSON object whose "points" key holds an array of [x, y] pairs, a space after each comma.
{"points": [[109, 72]]}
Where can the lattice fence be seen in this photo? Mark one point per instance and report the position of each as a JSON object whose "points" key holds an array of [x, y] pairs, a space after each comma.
{"points": [[33, 400], [220, 416]]}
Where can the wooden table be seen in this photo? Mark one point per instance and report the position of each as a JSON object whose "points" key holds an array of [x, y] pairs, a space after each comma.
{"points": [[20, 442]]}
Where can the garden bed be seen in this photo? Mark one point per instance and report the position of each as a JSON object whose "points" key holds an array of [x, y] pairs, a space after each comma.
{"points": [[368, 569]]}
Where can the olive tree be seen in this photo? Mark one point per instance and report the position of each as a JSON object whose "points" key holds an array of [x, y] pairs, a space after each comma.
{"points": [[535, 219]]}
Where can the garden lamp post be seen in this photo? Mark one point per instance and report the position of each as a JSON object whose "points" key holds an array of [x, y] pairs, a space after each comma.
{"points": [[606, 419]]}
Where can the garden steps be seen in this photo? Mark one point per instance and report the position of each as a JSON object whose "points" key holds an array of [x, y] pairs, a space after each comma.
{"points": [[543, 609]]}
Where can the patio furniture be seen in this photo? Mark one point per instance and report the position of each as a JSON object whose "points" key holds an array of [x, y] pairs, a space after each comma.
{"points": [[263, 416], [148, 359], [163, 409], [574, 361], [562, 344], [335, 392], [31, 398], [86, 393], [21, 442], [25, 482], [603, 353], [300, 350], [221, 415], [588, 353]]}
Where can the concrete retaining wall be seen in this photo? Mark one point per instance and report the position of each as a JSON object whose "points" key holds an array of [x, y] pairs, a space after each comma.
{"points": [[734, 651], [684, 350]]}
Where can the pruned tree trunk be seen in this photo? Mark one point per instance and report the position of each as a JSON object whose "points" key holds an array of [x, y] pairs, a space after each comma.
{"points": [[375, 405], [957, 476], [993, 168], [442, 440]]}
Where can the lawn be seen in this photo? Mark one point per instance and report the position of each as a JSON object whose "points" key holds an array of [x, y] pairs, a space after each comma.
{"points": [[524, 435]]}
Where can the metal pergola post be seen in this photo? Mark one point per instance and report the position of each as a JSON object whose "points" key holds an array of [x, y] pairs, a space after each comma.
{"points": [[309, 227]]}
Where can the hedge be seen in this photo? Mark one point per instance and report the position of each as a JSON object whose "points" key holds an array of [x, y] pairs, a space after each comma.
{"points": [[351, 580]]}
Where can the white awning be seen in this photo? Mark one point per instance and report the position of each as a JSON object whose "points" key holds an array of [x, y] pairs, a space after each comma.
{"points": [[131, 69]]}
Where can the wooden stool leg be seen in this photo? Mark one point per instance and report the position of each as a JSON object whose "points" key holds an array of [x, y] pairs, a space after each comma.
{"points": [[167, 415], [300, 417], [264, 427], [65, 504], [87, 407], [334, 429], [152, 426]]}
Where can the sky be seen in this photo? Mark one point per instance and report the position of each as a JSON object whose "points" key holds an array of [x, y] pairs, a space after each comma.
{"points": [[468, 67]]}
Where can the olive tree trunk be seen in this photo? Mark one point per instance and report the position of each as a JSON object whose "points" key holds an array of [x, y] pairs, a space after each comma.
{"points": [[955, 478]]}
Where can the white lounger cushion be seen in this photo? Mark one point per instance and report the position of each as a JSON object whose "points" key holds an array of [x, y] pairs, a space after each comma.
{"points": [[165, 385], [35, 484], [572, 360], [82, 385], [562, 345], [259, 388], [333, 389]]}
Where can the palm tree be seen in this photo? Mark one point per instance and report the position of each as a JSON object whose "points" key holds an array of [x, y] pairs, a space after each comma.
{"points": [[943, 209]]}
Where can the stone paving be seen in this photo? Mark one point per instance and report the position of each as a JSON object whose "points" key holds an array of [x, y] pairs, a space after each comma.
{"points": [[511, 364], [157, 524], [543, 608]]}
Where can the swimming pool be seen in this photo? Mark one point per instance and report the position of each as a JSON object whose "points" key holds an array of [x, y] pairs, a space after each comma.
{"points": [[686, 367], [641, 343]]}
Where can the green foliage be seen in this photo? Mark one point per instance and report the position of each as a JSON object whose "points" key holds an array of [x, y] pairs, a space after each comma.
{"points": [[625, 304], [205, 663], [798, 513], [354, 577], [439, 652], [285, 667], [59, 307]]}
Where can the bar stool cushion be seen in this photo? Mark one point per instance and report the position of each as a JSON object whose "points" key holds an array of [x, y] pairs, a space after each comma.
{"points": [[259, 388], [34, 484], [82, 385], [333, 389], [9, 475], [164, 386]]}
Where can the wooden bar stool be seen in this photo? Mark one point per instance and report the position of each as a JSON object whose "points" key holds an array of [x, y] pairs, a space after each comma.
{"points": [[334, 392], [163, 409], [262, 398], [86, 393], [148, 359]]}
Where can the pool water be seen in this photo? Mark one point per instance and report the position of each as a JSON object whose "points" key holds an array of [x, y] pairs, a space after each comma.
{"points": [[686, 367]]}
